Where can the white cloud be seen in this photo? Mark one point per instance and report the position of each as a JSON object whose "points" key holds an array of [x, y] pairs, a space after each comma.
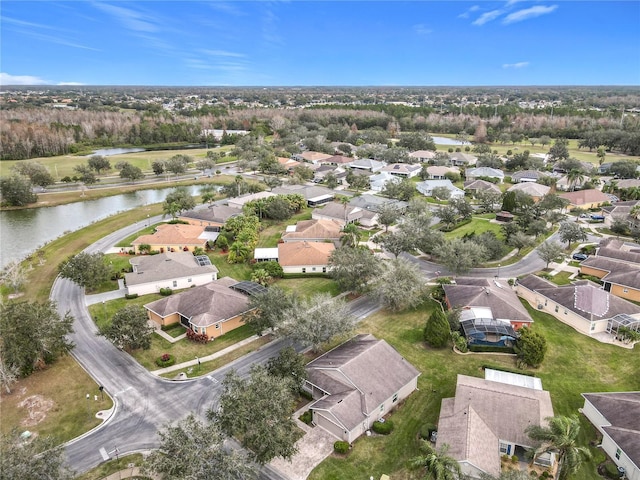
{"points": [[515, 65], [422, 29], [528, 13], [487, 17], [467, 13], [8, 79], [223, 53], [129, 18]]}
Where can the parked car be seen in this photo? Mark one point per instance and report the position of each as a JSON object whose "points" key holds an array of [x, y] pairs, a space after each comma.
{"points": [[580, 256]]}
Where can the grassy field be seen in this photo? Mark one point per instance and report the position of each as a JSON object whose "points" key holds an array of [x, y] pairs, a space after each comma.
{"points": [[574, 364], [477, 226], [307, 286], [112, 466]]}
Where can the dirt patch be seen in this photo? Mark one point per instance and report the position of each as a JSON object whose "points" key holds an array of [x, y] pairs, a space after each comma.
{"points": [[37, 407]]}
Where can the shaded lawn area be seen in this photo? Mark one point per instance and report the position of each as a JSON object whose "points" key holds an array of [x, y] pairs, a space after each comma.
{"points": [[117, 262], [103, 312], [272, 230], [239, 271], [308, 286], [477, 226], [145, 231], [561, 278], [574, 364]]}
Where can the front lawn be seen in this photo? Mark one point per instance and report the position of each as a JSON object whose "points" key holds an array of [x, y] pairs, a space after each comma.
{"points": [[308, 286], [477, 226]]}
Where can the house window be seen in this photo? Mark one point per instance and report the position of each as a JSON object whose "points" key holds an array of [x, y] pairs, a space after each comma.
{"points": [[545, 303], [565, 311], [304, 270], [395, 398], [504, 448], [217, 325], [324, 269], [175, 283], [189, 280], [618, 452], [557, 308], [625, 290], [593, 326], [382, 408], [313, 269]]}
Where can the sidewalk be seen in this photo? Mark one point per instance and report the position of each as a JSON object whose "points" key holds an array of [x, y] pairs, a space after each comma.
{"points": [[106, 296]]}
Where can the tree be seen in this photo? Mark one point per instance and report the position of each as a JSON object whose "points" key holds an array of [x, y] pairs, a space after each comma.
{"points": [[575, 177], [193, 449], [315, 320], [257, 411], [131, 172], [437, 331], [509, 202], [624, 169], [400, 190], [206, 164], [436, 463], [86, 175], [447, 215], [401, 285], [395, 242], [267, 309], [37, 173], [261, 276], [545, 140], [88, 270], [488, 200], [208, 194], [530, 347], [441, 193], [549, 251], [520, 240], [561, 436], [462, 206], [331, 181], [460, 256], [32, 335], [353, 268], [278, 208], [619, 226], [39, 458], [357, 182], [99, 163], [388, 214], [602, 153], [129, 329], [158, 167], [571, 232], [177, 164], [17, 191], [290, 365], [178, 201], [350, 235], [560, 149]]}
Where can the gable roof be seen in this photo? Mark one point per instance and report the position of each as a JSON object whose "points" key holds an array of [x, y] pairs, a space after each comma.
{"points": [[367, 201], [402, 168], [240, 201], [530, 188], [313, 157], [441, 171], [337, 211], [315, 229], [368, 164], [337, 159], [359, 375], [204, 305], [428, 154], [582, 197], [165, 266], [294, 254], [528, 174], [463, 157], [619, 250], [307, 191], [481, 185], [213, 213], [620, 272], [484, 172], [174, 234]]}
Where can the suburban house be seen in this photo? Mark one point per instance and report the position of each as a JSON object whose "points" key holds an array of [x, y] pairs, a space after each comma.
{"points": [[582, 305], [475, 173], [459, 159], [239, 202], [605, 167], [621, 210], [311, 157], [288, 163], [372, 203], [356, 384], [212, 216], [325, 169], [426, 188], [338, 160], [404, 170], [527, 176], [585, 199], [616, 415], [168, 270], [378, 181], [488, 418], [305, 257], [437, 172], [212, 309], [367, 164], [624, 183], [534, 190], [314, 194], [176, 237], [423, 156], [584, 167], [564, 184], [337, 211], [476, 186], [491, 311], [617, 264], [313, 231]]}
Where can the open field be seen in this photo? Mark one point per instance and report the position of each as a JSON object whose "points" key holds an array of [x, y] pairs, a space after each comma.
{"points": [[477, 226]]}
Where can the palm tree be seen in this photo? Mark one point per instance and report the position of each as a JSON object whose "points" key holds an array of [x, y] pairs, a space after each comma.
{"points": [[560, 436], [437, 464], [575, 177], [345, 203], [351, 235]]}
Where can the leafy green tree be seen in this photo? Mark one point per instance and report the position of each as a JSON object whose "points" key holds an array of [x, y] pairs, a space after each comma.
{"points": [[208, 194], [177, 164], [331, 181], [303, 172], [86, 269], [441, 193], [37, 173], [17, 191], [261, 276], [131, 172], [509, 202], [575, 178], [193, 449], [289, 364], [268, 308], [400, 286], [460, 256], [520, 240], [437, 464], [549, 251], [571, 232], [351, 235], [561, 436], [278, 208], [462, 206], [357, 182], [128, 329], [494, 247], [40, 458], [178, 201], [205, 164], [488, 200], [388, 214], [85, 174], [416, 141], [353, 268], [239, 252], [396, 242], [560, 149], [32, 334], [447, 215], [257, 411], [437, 331], [531, 347], [99, 163], [158, 167], [624, 169], [403, 190]]}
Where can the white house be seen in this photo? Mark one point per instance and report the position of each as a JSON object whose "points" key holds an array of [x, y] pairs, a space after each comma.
{"points": [[426, 188], [475, 173], [404, 170]]}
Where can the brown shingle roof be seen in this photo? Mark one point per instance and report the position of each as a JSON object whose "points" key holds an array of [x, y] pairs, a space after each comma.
{"points": [[294, 254], [173, 234], [315, 230], [582, 197]]}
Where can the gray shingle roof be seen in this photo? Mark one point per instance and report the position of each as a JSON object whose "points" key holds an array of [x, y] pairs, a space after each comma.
{"points": [[165, 266], [214, 213]]}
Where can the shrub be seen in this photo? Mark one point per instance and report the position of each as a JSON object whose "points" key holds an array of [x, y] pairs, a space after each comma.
{"points": [[341, 447], [437, 331], [611, 470], [306, 417], [197, 337], [165, 292], [490, 349], [383, 428], [131, 296], [426, 430], [165, 360], [460, 342], [306, 395], [514, 459], [272, 268]]}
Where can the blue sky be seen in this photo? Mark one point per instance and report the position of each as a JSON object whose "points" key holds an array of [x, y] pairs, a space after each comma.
{"points": [[301, 42]]}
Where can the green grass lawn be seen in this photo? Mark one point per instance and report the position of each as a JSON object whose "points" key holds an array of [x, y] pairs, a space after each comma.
{"points": [[561, 278], [127, 241], [574, 364], [238, 271], [309, 285], [477, 226], [113, 466]]}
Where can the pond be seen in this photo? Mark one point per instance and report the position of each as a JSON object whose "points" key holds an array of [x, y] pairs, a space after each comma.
{"points": [[449, 141], [107, 152]]}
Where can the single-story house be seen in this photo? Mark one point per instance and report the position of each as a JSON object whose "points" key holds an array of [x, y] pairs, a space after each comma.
{"points": [[212, 309], [337, 160], [488, 418], [212, 216], [314, 194], [356, 384], [527, 176], [474, 173], [623, 183], [621, 210], [305, 257], [314, 231], [325, 169], [239, 202], [616, 415], [405, 170], [378, 181], [563, 183], [423, 156], [475, 186], [311, 157], [584, 167], [438, 172], [582, 305], [535, 190], [459, 159], [266, 254], [372, 203], [426, 188], [176, 237], [337, 211], [367, 164], [288, 163], [176, 270], [585, 199]]}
